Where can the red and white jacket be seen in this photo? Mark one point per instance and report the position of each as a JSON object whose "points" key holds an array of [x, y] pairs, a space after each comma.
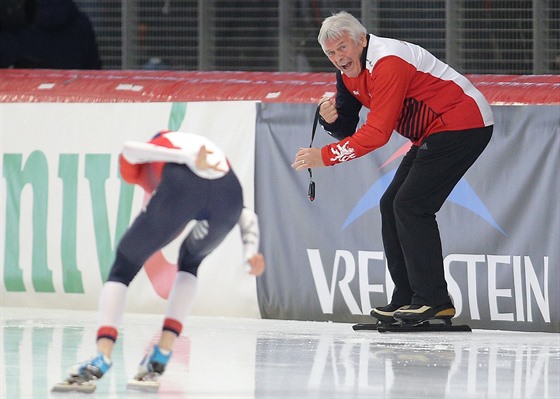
{"points": [[407, 90]]}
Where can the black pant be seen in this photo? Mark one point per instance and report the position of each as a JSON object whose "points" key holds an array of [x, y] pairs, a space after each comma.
{"points": [[411, 239]]}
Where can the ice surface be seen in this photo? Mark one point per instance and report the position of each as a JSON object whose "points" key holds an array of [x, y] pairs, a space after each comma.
{"points": [[250, 358]]}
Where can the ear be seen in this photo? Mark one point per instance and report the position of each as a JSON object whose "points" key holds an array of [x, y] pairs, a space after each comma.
{"points": [[363, 41]]}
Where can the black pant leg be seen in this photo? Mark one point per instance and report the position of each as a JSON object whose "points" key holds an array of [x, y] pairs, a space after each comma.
{"points": [[438, 166], [402, 294]]}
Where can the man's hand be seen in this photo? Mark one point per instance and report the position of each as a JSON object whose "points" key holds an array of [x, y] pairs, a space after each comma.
{"points": [[308, 158], [327, 109]]}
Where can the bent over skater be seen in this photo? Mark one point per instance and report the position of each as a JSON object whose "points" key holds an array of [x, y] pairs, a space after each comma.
{"points": [[191, 179], [447, 120]]}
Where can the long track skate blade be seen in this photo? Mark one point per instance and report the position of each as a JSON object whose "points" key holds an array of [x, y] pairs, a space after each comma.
{"points": [[424, 327], [364, 326], [143, 385], [74, 386], [369, 326]]}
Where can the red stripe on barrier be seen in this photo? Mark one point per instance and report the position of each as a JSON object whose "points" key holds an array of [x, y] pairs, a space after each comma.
{"points": [[30, 85]]}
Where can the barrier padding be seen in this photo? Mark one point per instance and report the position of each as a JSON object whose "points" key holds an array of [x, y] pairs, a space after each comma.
{"points": [[29, 85]]}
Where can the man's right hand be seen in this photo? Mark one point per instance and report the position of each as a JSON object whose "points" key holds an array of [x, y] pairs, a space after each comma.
{"points": [[327, 109]]}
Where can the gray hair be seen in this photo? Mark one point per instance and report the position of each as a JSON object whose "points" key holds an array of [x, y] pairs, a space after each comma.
{"points": [[335, 26]]}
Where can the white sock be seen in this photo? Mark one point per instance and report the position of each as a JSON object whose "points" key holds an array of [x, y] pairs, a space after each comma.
{"points": [[181, 297], [111, 303]]}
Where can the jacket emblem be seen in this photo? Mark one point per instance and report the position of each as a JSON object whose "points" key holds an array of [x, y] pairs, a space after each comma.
{"points": [[342, 153]]}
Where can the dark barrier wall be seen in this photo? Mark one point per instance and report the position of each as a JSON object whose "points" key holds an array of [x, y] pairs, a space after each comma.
{"points": [[500, 227]]}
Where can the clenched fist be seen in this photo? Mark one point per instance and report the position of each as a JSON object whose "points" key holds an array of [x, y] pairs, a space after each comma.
{"points": [[327, 109]]}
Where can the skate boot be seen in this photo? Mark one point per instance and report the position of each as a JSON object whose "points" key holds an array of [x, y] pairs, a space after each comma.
{"points": [[150, 368], [384, 314], [83, 374], [414, 314]]}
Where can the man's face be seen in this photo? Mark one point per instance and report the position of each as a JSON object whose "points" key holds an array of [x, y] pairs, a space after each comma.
{"points": [[345, 54]]}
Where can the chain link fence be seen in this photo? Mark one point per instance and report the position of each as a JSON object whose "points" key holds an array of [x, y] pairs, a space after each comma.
{"points": [[474, 36]]}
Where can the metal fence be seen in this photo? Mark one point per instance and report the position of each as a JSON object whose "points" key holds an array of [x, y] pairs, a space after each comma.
{"points": [[474, 36]]}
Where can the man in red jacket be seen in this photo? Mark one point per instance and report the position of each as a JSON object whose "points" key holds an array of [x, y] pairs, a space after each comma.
{"points": [[449, 123]]}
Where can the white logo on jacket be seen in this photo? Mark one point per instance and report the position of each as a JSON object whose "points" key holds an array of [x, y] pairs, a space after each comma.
{"points": [[342, 153]]}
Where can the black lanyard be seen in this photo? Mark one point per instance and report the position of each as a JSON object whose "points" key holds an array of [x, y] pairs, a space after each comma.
{"points": [[311, 189]]}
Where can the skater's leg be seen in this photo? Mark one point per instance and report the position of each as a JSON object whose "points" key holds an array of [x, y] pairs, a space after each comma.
{"points": [[111, 308], [220, 202], [179, 303], [163, 219], [111, 305]]}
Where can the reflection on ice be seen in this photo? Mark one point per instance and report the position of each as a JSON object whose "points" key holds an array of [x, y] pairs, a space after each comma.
{"points": [[247, 358], [421, 365]]}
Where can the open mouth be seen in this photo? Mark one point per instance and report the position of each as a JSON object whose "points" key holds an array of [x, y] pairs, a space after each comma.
{"points": [[346, 66]]}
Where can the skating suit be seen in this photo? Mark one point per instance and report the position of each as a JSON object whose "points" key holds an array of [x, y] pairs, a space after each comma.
{"points": [[181, 193]]}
